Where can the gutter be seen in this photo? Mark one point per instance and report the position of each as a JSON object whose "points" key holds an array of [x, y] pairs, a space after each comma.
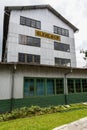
{"points": [[65, 86], [12, 87]]}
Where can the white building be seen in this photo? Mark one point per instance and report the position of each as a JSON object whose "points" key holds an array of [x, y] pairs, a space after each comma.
{"points": [[39, 65], [38, 34]]}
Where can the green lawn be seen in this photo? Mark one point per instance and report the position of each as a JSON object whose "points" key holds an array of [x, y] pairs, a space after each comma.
{"points": [[43, 122]]}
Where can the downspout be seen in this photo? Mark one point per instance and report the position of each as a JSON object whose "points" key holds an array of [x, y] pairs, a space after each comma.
{"points": [[65, 86], [12, 86]]}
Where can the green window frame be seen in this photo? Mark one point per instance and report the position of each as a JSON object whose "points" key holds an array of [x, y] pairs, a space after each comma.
{"points": [[34, 86], [77, 85]]}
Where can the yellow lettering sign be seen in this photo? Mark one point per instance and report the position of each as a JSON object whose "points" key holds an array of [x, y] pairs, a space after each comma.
{"points": [[47, 35]]}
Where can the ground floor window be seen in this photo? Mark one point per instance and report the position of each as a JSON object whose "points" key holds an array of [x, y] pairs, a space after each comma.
{"points": [[43, 86], [77, 85]]}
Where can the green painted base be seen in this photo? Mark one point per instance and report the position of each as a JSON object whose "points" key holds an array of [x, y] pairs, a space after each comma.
{"points": [[44, 101]]}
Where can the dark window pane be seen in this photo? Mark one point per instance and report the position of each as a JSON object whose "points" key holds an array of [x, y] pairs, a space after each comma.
{"points": [[40, 87], [59, 86], [55, 30], [84, 85], [38, 24], [27, 40], [61, 31], [62, 62], [29, 58], [61, 47], [78, 85], [28, 22], [30, 40], [70, 84], [50, 86], [33, 23], [21, 57], [22, 20], [28, 87], [37, 59]]}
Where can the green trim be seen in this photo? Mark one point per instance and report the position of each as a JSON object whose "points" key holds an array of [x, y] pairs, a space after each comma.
{"points": [[45, 86], [55, 86], [5, 105]]}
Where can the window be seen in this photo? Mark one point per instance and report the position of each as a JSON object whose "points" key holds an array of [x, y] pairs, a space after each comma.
{"points": [[78, 85], [28, 87], [22, 20], [50, 87], [27, 40], [84, 85], [59, 86], [62, 62], [61, 47], [28, 58], [61, 31], [21, 57], [43, 86], [30, 22], [40, 87], [70, 83]]}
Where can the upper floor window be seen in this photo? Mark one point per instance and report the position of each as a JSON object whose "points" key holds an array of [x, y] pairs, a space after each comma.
{"points": [[61, 31], [62, 62], [61, 47], [28, 40], [28, 58], [30, 22]]}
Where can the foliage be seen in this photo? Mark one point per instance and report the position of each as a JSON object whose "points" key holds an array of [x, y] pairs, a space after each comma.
{"points": [[36, 110], [44, 122]]}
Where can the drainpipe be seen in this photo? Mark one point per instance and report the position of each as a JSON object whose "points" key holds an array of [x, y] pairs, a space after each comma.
{"points": [[12, 86], [65, 86]]}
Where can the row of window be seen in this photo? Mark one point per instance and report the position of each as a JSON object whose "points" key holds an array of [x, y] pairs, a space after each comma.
{"points": [[77, 85], [33, 41], [61, 31], [61, 47], [62, 62], [29, 58], [51, 86], [40, 86], [37, 24], [30, 22]]}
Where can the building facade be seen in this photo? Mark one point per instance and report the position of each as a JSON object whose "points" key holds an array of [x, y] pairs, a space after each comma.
{"points": [[39, 62], [26, 85], [38, 34]]}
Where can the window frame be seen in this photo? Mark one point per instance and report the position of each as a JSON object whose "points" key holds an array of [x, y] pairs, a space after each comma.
{"points": [[63, 31], [30, 24], [27, 42]]}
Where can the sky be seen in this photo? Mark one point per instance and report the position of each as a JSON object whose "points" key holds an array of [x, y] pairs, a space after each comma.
{"points": [[75, 11]]}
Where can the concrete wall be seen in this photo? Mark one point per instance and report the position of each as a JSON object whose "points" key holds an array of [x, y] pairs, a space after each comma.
{"points": [[5, 82], [30, 71], [6, 102], [47, 52]]}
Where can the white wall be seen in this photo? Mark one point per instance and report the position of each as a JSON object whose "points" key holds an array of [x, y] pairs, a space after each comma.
{"points": [[30, 71], [47, 52], [5, 83]]}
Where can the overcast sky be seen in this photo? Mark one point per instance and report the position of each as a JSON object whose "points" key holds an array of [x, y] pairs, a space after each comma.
{"points": [[73, 10]]}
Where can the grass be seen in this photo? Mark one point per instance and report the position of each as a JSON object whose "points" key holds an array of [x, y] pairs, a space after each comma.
{"points": [[43, 122]]}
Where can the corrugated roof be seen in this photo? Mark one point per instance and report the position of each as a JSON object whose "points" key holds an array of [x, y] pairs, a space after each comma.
{"points": [[9, 8]]}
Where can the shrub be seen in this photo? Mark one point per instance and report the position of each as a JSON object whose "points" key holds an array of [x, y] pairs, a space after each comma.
{"points": [[36, 110]]}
